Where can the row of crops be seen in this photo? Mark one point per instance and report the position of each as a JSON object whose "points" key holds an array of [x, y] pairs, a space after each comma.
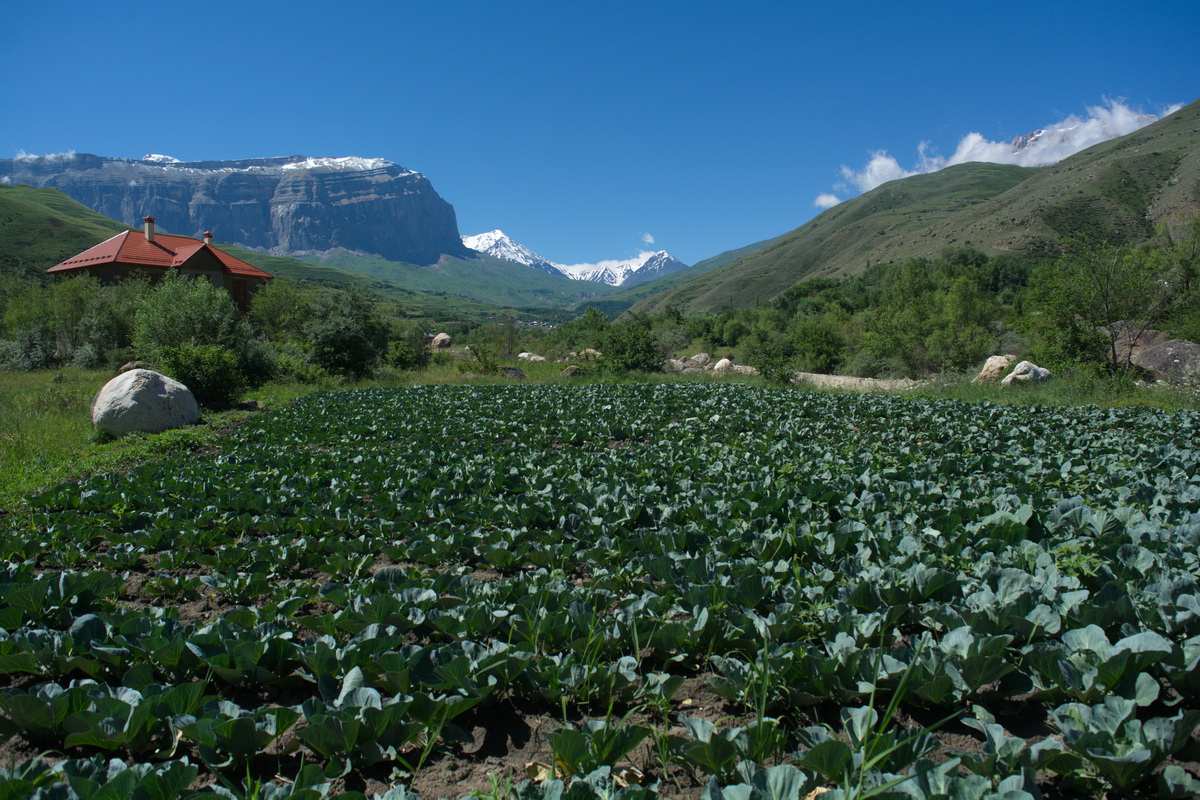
{"points": [[897, 598]]}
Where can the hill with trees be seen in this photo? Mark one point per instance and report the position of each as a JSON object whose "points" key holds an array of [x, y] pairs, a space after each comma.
{"points": [[1116, 191]]}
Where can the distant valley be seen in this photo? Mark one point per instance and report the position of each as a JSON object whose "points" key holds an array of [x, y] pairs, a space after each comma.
{"points": [[385, 224]]}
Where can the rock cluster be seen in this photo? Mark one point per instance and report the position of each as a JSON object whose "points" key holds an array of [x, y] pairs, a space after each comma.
{"points": [[704, 362]]}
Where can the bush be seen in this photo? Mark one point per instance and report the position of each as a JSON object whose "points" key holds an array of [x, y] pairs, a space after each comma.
{"points": [[212, 372], [346, 336], [630, 347], [771, 352], [292, 363], [410, 351], [31, 348]]}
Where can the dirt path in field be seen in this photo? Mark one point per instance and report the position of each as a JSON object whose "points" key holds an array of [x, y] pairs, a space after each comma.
{"points": [[854, 384]]}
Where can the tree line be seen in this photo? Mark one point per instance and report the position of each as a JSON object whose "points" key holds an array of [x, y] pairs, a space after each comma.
{"points": [[926, 315]]}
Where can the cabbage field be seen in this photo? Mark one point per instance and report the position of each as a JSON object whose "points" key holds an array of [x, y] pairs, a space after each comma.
{"points": [[617, 592]]}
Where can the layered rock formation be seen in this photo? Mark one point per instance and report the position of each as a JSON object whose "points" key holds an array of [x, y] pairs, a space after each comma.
{"points": [[284, 206]]}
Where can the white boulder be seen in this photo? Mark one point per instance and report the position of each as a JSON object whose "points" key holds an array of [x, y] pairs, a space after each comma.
{"points": [[1027, 372], [440, 342], [143, 400], [993, 369], [724, 365]]}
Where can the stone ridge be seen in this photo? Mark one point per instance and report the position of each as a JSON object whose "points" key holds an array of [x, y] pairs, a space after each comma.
{"points": [[282, 206]]}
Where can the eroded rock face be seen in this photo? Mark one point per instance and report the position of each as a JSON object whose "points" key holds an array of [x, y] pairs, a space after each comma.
{"points": [[281, 205], [143, 400], [1177, 359], [1027, 372], [993, 369]]}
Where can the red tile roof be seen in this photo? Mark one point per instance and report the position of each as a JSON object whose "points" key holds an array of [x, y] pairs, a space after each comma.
{"points": [[166, 251]]}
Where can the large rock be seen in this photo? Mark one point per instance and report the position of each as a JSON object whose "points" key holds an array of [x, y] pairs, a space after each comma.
{"points": [[143, 400], [674, 365], [1027, 372], [513, 372], [724, 365], [534, 357], [440, 342], [1177, 359], [993, 369], [1132, 344], [698, 360]]}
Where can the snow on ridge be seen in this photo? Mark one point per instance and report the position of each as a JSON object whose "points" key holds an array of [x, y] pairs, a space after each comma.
{"points": [[613, 272], [343, 163], [159, 158]]}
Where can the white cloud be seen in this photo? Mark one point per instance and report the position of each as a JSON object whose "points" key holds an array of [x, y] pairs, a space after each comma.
{"points": [[23, 156], [647, 238], [1048, 145], [826, 200], [5, 179]]}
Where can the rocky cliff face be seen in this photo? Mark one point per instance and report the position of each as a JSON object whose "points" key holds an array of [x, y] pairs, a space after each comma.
{"points": [[284, 206]]}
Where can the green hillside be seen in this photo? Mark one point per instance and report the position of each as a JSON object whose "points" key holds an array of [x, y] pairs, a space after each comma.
{"points": [[485, 279], [414, 303], [1118, 190], [41, 227], [623, 299]]}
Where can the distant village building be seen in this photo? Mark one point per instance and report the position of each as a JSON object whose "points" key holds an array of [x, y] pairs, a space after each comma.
{"points": [[151, 253]]}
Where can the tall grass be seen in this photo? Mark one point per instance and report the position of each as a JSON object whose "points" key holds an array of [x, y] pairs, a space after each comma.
{"points": [[46, 434], [1067, 389]]}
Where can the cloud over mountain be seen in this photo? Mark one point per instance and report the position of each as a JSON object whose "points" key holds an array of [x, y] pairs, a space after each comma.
{"points": [[1038, 148]]}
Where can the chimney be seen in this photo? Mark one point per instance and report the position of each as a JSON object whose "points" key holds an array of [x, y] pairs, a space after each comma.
{"points": [[208, 237], [149, 229]]}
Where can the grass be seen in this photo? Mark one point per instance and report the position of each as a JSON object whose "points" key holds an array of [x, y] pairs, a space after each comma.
{"points": [[1067, 389], [46, 435]]}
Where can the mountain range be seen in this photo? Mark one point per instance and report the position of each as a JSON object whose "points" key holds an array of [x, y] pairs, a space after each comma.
{"points": [[385, 224], [646, 266], [283, 206]]}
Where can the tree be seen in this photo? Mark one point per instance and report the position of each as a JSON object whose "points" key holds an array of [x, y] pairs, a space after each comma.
{"points": [[1106, 293], [346, 335], [630, 347], [192, 329], [281, 309], [186, 311]]}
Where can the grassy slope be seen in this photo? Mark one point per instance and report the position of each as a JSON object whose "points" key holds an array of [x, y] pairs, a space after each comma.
{"points": [[41, 227], [1116, 190], [416, 303], [486, 279], [623, 299]]}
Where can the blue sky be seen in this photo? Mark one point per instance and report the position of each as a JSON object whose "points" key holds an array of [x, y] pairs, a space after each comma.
{"points": [[584, 130]]}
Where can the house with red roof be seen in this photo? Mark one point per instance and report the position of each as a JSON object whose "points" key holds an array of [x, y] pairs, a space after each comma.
{"points": [[148, 252]]}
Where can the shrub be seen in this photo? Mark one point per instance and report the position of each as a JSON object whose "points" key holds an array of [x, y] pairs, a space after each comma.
{"points": [[184, 311], [410, 351], [212, 372], [771, 352], [347, 337], [629, 347], [31, 348]]}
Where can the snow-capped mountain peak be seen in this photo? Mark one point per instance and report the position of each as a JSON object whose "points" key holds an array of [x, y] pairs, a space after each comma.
{"points": [[497, 244], [647, 265]]}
